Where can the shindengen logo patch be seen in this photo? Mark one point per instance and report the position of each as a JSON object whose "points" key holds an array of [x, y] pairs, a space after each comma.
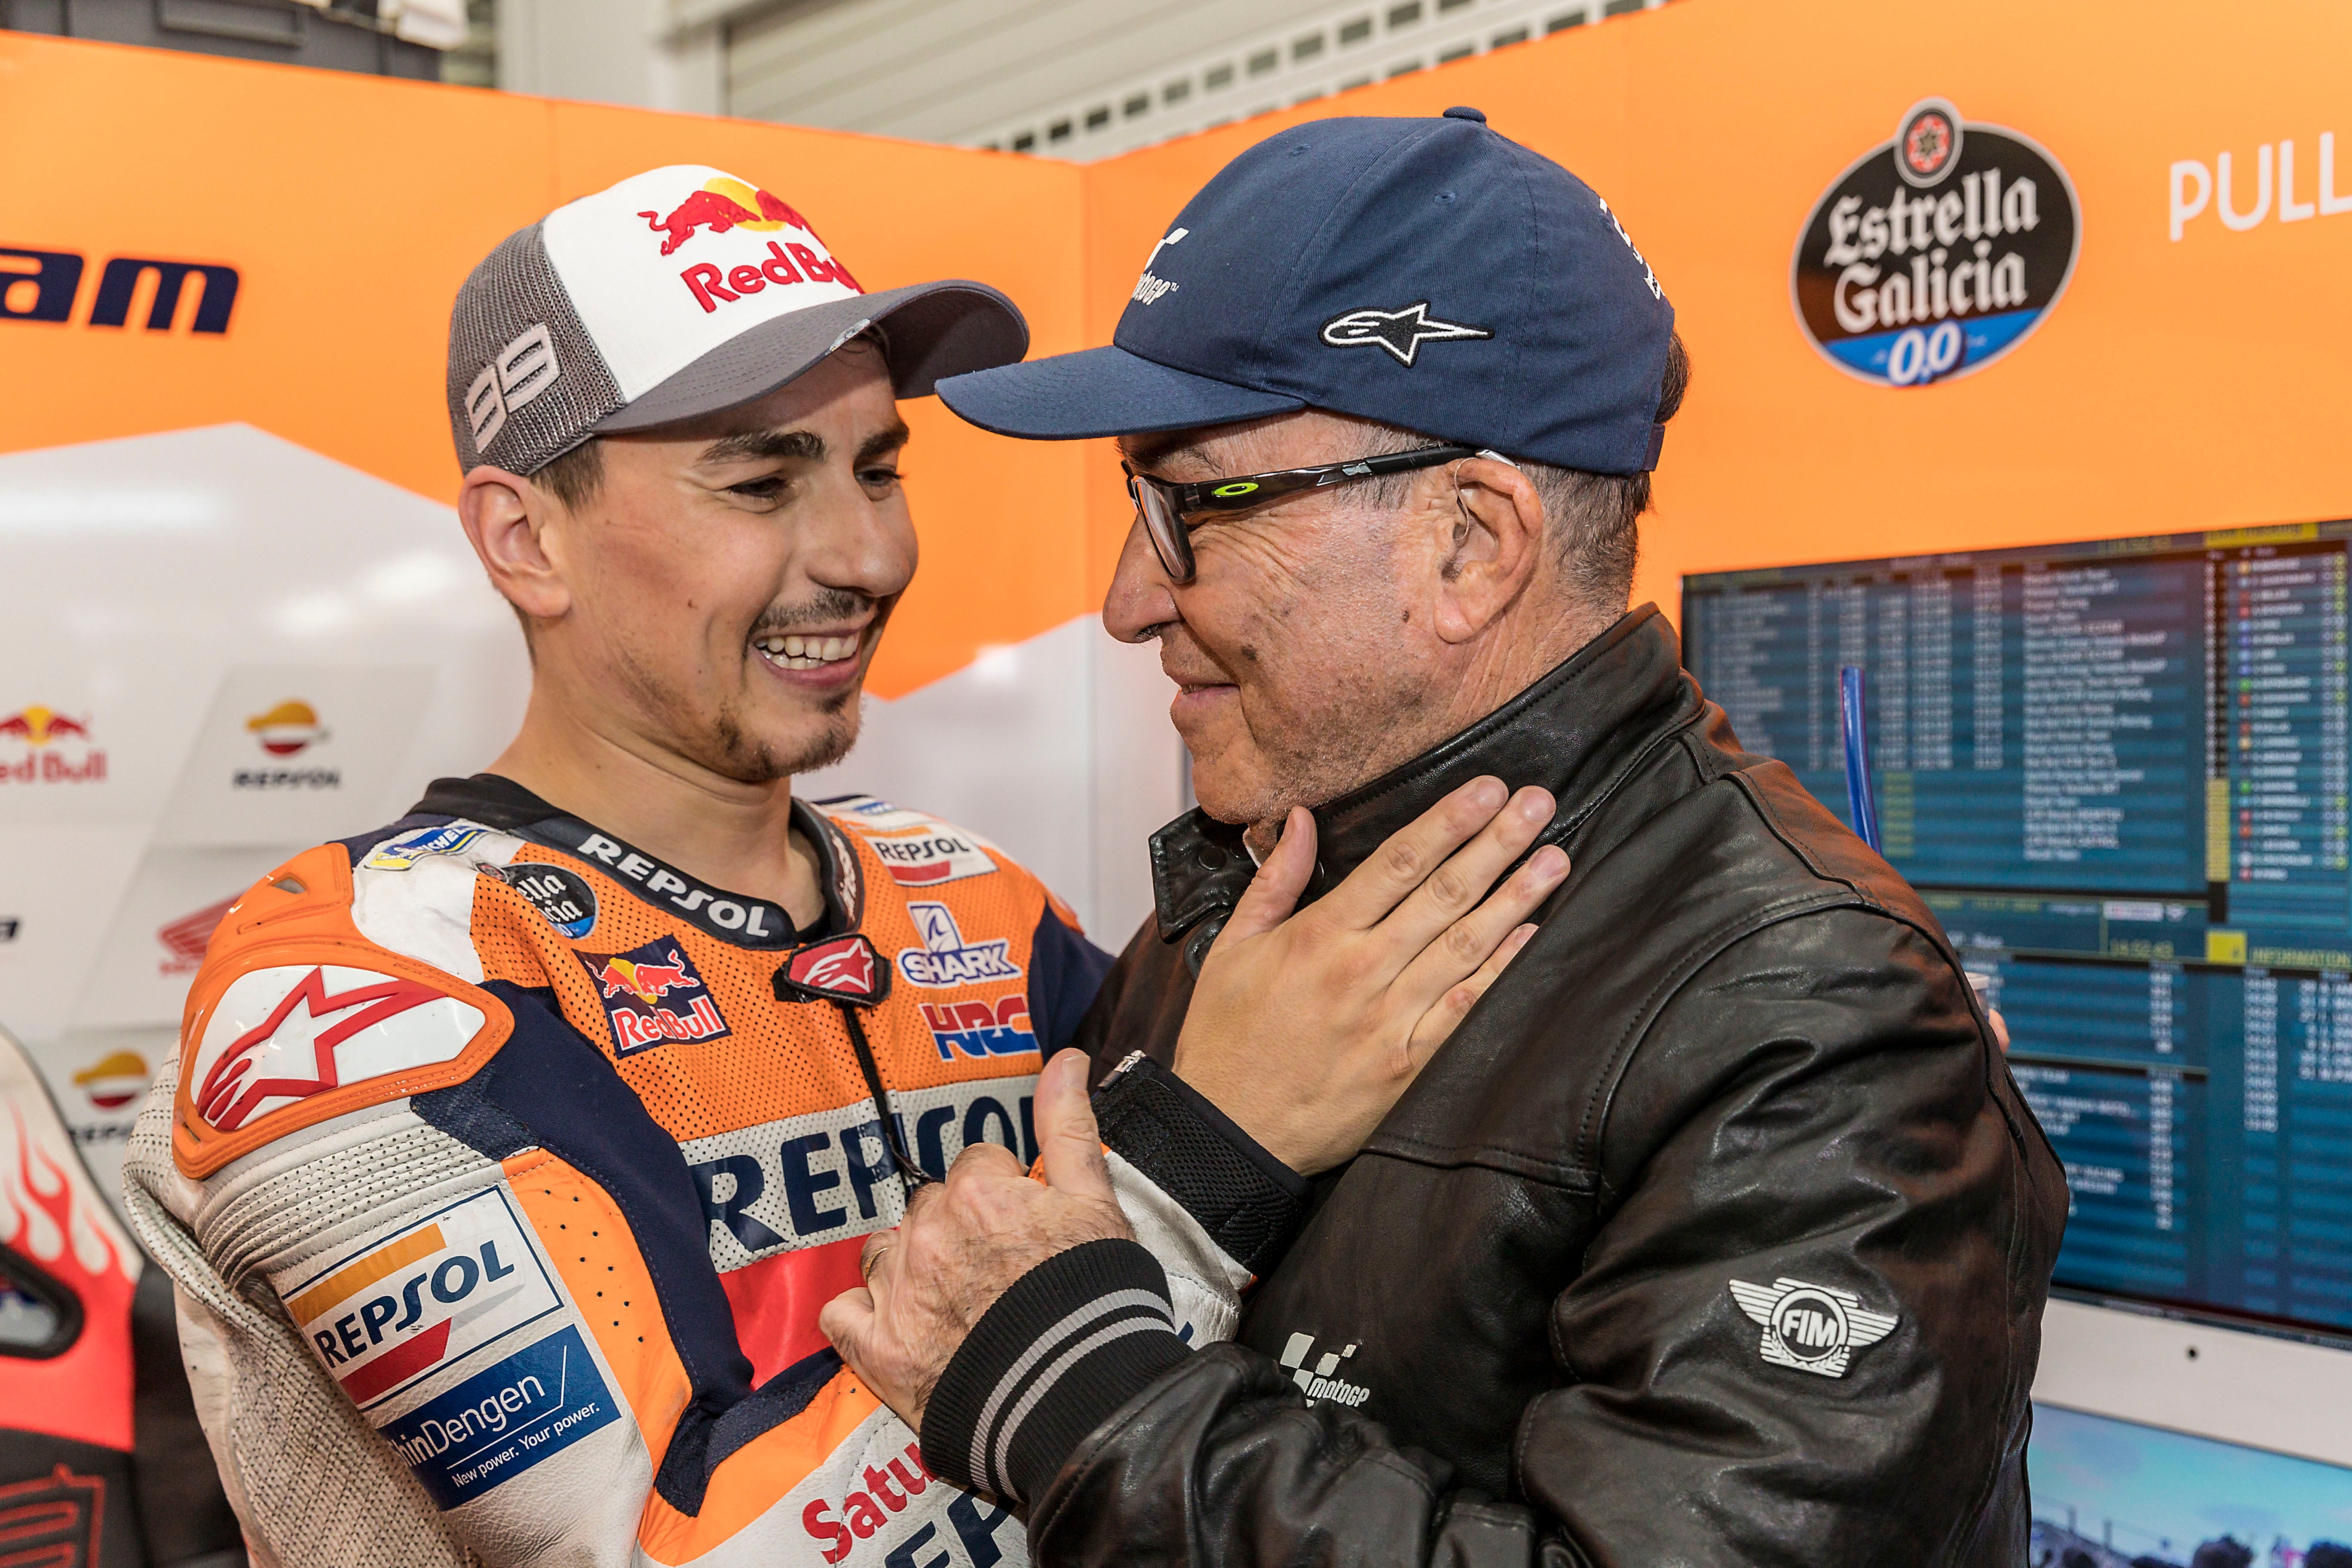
{"points": [[1937, 252]]}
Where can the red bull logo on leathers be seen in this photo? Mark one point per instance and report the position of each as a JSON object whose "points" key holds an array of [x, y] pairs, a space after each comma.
{"points": [[653, 995]]}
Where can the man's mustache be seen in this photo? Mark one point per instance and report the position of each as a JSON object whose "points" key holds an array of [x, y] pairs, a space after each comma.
{"points": [[826, 607]]}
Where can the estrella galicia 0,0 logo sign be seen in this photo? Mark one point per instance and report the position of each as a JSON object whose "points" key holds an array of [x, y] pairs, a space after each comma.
{"points": [[1937, 252]]}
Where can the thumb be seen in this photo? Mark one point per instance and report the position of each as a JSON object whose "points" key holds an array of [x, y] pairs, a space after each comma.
{"points": [[1274, 892], [1069, 1144], [844, 1320]]}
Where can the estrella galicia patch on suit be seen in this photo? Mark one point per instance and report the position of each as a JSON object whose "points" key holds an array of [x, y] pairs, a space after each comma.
{"points": [[839, 969], [652, 996], [1813, 1328], [1402, 332], [562, 895]]}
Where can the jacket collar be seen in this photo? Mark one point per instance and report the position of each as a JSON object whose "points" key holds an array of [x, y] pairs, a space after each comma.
{"points": [[1569, 732], [499, 802]]}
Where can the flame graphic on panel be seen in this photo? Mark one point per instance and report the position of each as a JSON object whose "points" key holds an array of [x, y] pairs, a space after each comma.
{"points": [[40, 1217]]}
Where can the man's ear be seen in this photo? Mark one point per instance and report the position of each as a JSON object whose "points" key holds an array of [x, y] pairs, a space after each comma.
{"points": [[1496, 544], [505, 517]]}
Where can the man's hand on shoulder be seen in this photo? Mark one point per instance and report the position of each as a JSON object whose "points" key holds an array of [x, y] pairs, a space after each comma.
{"points": [[1306, 1028], [966, 1240]]}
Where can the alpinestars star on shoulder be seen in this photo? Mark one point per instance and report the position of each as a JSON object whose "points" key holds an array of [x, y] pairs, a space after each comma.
{"points": [[1813, 1328]]}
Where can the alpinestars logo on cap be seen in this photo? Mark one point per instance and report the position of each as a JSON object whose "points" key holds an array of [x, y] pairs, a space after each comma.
{"points": [[1814, 1327], [1402, 332]]}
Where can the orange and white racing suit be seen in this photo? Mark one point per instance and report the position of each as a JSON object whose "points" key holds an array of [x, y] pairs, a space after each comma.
{"points": [[504, 1170]]}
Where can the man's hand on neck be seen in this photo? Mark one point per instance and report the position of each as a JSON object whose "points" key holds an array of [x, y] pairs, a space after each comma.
{"points": [[730, 834]]}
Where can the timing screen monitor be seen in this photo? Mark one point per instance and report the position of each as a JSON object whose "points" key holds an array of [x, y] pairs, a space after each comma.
{"points": [[2116, 1494], [2118, 773]]}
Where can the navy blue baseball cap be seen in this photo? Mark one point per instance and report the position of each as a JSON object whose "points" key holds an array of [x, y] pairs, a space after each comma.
{"points": [[1431, 274]]}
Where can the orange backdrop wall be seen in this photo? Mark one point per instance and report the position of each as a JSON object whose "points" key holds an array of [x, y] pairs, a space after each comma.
{"points": [[2178, 384], [353, 207]]}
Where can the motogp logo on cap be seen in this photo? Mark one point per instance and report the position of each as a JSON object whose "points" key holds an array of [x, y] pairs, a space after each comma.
{"points": [[1937, 252]]}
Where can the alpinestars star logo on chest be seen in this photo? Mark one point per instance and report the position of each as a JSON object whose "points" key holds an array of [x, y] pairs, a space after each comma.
{"points": [[1814, 1327]]}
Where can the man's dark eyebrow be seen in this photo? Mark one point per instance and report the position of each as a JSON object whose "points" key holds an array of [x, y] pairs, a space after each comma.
{"points": [[889, 439], [1161, 446], [776, 446]]}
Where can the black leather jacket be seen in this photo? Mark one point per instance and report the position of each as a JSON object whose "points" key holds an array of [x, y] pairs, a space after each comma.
{"points": [[1718, 1233]]}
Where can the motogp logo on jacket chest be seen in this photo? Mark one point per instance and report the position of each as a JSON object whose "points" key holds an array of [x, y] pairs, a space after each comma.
{"points": [[1936, 253]]}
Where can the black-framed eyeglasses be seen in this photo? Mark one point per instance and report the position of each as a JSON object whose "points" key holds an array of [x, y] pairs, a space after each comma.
{"points": [[1170, 511]]}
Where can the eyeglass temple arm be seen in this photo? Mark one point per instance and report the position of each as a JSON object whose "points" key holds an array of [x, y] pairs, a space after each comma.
{"points": [[1201, 497]]}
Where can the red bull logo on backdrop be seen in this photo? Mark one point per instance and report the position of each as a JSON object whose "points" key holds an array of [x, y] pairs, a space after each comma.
{"points": [[56, 748], [1937, 252], [653, 995]]}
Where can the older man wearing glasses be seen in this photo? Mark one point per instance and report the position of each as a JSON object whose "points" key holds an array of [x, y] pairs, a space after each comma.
{"points": [[1718, 1233]]}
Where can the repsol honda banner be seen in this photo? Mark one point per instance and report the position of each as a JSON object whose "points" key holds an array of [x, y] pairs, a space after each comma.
{"points": [[1936, 253]]}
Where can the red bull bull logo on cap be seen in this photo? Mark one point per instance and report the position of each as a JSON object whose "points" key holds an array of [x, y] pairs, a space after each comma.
{"points": [[724, 205], [721, 205], [653, 995]]}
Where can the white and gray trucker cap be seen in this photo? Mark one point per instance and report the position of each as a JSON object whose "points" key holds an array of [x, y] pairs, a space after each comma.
{"points": [[678, 292]]}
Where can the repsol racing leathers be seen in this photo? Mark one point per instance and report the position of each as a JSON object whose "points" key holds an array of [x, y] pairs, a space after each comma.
{"points": [[504, 1171], [1716, 1234]]}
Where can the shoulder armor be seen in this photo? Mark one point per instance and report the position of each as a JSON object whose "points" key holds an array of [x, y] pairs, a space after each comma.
{"points": [[295, 1018]]}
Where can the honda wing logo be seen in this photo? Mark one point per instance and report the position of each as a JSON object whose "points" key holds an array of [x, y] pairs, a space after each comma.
{"points": [[1813, 1328], [1402, 332]]}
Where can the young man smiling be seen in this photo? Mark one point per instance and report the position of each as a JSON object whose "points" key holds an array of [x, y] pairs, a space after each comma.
{"points": [[512, 1148]]}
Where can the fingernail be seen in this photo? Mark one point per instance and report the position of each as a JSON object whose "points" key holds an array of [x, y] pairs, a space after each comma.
{"points": [[1536, 805], [1548, 862], [1489, 793]]}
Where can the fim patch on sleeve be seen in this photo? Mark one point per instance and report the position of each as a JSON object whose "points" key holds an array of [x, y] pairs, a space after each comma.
{"points": [[504, 1419]]}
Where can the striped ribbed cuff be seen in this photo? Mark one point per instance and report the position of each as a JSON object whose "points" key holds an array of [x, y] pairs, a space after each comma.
{"points": [[1248, 1202], [1076, 1338]]}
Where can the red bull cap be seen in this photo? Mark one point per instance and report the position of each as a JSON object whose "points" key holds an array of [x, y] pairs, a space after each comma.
{"points": [[675, 293]]}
